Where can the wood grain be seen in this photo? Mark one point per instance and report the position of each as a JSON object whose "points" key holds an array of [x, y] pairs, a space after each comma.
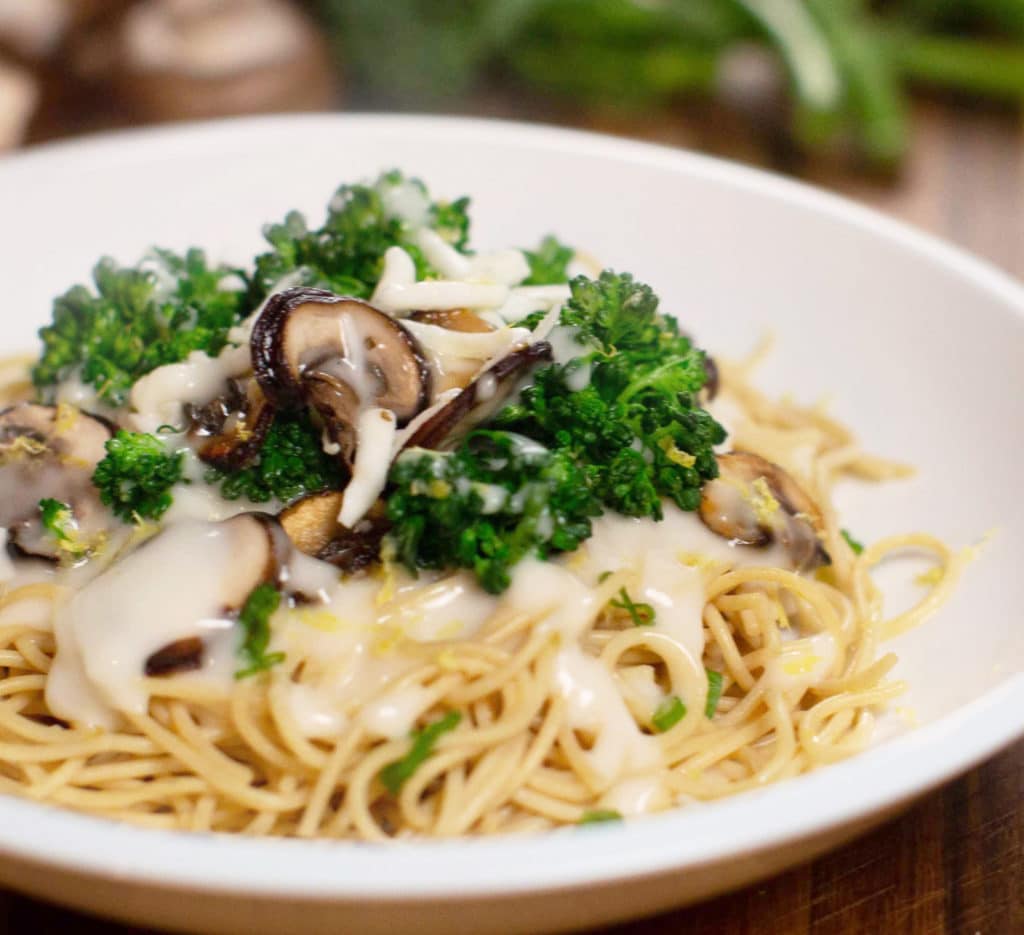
{"points": [[953, 864]]}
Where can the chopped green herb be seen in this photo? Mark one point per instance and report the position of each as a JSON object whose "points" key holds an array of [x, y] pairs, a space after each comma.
{"points": [[858, 547], [255, 620], [715, 680], [599, 816], [394, 775], [58, 520], [641, 614], [670, 712], [603, 577]]}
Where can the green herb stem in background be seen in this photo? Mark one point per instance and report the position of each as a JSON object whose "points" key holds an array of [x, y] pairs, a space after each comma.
{"points": [[983, 67], [873, 96], [850, 62], [599, 816]]}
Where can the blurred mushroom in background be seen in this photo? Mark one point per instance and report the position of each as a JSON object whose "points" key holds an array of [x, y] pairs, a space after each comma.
{"points": [[69, 66], [30, 30], [203, 58], [19, 94]]}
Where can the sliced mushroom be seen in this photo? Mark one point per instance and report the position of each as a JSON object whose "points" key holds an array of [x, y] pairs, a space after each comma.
{"points": [[234, 425], [480, 400], [454, 319], [312, 525], [48, 452], [260, 551], [180, 656], [337, 354], [312, 521], [356, 549], [754, 502]]}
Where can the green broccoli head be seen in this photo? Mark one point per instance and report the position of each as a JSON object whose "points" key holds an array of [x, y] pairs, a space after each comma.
{"points": [[495, 500], [549, 263], [138, 318], [136, 476], [636, 427], [291, 463], [346, 255]]}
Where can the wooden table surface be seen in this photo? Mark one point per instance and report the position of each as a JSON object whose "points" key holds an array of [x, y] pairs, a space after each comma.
{"points": [[954, 863]]}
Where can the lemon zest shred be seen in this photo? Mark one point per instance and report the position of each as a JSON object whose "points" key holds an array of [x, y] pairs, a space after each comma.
{"points": [[802, 664], [447, 660], [930, 578], [65, 419], [317, 618], [675, 454], [763, 501]]}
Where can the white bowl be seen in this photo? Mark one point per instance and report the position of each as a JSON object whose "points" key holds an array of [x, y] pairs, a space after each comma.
{"points": [[920, 346]]}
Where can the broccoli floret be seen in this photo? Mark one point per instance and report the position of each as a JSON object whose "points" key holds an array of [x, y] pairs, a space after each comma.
{"points": [[291, 463], [636, 427], [346, 255], [549, 263], [137, 319], [136, 476], [495, 500]]}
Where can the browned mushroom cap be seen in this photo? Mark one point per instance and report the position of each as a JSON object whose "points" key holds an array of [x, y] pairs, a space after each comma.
{"points": [[312, 521], [480, 400], [353, 550], [180, 656], [337, 354], [754, 502], [312, 525], [48, 452], [454, 319], [234, 425]]}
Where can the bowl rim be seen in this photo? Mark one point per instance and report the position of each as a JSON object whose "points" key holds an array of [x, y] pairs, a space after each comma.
{"points": [[883, 777]]}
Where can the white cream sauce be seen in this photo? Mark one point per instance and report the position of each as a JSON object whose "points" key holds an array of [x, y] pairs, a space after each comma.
{"points": [[397, 291], [376, 432], [171, 588], [160, 396], [394, 714], [637, 796], [802, 663]]}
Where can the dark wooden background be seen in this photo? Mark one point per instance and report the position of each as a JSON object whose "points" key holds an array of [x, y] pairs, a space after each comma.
{"points": [[953, 864]]}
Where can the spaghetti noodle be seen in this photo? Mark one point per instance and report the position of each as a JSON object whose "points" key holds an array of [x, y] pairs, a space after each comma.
{"points": [[554, 708]]}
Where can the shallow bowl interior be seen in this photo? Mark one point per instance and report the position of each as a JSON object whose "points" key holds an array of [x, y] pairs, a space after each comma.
{"points": [[917, 345]]}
